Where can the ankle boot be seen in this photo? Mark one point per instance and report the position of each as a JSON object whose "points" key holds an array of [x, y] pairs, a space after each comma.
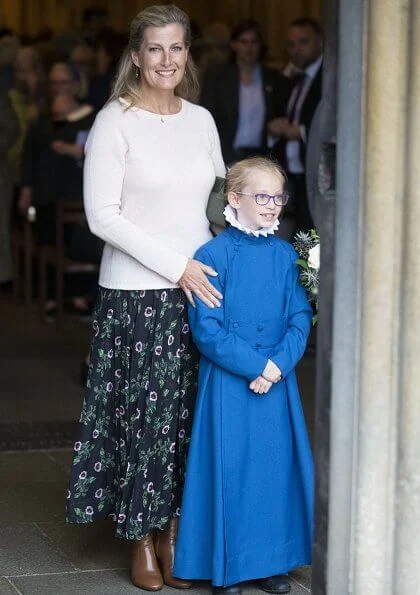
{"points": [[165, 552], [145, 572]]}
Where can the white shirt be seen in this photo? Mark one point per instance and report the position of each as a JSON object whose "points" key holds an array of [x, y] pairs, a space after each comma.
{"points": [[294, 163], [146, 184]]}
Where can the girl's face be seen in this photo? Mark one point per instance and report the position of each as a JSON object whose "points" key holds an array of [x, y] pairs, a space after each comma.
{"points": [[248, 212], [162, 57]]}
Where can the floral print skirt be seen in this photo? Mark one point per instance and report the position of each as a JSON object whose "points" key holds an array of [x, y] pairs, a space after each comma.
{"points": [[135, 426]]}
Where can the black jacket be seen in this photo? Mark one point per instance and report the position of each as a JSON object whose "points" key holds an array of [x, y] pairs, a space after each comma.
{"points": [[307, 112], [220, 95], [52, 176]]}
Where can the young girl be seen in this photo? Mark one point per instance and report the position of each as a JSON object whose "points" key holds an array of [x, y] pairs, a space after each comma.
{"points": [[247, 505]]}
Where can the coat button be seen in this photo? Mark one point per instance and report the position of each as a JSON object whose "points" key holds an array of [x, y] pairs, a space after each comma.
{"points": [[258, 345], [260, 328], [235, 325], [271, 242]]}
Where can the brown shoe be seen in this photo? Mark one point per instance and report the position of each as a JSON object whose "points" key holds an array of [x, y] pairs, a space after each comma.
{"points": [[145, 572], [165, 552]]}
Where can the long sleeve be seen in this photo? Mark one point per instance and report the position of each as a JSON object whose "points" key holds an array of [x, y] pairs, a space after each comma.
{"points": [[103, 183], [216, 151], [291, 348], [9, 123], [222, 347]]}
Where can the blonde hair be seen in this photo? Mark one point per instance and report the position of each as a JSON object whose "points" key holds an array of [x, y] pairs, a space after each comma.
{"points": [[237, 176], [126, 84]]}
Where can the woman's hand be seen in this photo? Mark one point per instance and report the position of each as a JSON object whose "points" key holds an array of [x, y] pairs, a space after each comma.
{"points": [[260, 385], [194, 281], [69, 149], [271, 372]]}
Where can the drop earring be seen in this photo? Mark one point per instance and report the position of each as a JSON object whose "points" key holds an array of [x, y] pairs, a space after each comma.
{"points": [[137, 72]]}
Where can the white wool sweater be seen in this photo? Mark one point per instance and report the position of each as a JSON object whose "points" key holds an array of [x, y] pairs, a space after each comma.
{"points": [[147, 179]]}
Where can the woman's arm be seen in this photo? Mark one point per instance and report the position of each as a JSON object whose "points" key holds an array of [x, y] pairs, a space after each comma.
{"points": [[216, 149], [27, 170]]}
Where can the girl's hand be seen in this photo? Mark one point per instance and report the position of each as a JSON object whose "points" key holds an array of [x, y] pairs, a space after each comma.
{"points": [[194, 280], [271, 372], [260, 385]]}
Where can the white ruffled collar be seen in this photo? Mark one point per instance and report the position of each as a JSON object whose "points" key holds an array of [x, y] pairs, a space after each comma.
{"points": [[230, 216]]}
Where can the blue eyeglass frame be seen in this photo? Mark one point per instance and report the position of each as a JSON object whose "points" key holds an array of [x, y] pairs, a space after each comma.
{"points": [[265, 198]]}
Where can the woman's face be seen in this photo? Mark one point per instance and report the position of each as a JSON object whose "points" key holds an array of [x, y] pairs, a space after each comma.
{"points": [[162, 57], [62, 82], [247, 48]]}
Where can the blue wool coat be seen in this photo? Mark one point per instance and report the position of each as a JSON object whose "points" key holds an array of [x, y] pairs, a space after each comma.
{"points": [[247, 505]]}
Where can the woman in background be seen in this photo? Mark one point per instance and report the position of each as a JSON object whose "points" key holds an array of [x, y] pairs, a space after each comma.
{"points": [[244, 95]]}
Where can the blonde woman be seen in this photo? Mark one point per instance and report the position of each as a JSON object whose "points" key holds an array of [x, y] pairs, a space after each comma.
{"points": [[151, 161]]}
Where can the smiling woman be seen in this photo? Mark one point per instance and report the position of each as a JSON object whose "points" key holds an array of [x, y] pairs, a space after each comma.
{"points": [[147, 201], [157, 51]]}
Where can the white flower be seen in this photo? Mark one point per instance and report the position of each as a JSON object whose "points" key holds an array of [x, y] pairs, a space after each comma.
{"points": [[314, 257]]}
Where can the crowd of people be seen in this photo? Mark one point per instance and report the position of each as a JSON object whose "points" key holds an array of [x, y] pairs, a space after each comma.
{"points": [[55, 86], [120, 123]]}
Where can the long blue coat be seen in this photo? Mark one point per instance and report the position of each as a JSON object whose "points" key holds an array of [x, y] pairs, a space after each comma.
{"points": [[247, 505]]}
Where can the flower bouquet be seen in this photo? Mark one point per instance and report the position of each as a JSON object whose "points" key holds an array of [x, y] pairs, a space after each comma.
{"points": [[307, 246]]}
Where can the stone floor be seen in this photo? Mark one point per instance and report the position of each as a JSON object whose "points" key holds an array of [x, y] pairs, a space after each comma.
{"points": [[40, 401]]}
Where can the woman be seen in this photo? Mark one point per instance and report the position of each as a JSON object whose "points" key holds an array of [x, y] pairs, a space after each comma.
{"points": [[151, 161], [244, 95], [9, 131], [28, 97], [52, 164]]}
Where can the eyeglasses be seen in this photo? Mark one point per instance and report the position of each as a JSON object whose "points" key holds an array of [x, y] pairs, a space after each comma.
{"points": [[263, 199]]}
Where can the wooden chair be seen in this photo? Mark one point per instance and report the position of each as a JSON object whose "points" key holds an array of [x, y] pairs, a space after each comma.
{"points": [[67, 212]]}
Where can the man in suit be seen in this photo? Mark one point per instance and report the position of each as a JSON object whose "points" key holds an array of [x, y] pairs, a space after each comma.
{"points": [[243, 95], [304, 46]]}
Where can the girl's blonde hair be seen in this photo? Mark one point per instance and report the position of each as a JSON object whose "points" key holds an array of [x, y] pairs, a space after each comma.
{"points": [[126, 84], [237, 175]]}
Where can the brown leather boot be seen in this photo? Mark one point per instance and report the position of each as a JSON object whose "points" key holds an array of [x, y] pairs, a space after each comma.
{"points": [[145, 572], [165, 552]]}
